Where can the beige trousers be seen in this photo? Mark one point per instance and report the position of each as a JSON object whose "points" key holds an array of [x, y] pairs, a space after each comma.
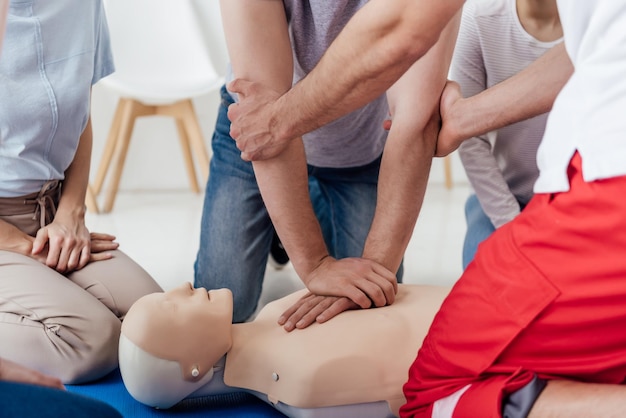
{"points": [[64, 325]]}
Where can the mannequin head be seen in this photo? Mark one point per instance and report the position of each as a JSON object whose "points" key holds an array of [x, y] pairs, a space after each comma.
{"points": [[174, 339]]}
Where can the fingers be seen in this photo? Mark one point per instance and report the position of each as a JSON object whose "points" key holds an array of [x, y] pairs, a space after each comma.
{"points": [[337, 307], [387, 275], [373, 292], [101, 236], [63, 254], [378, 284], [387, 124], [13, 372], [100, 257], [248, 156], [41, 239], [98, 246], [73, 259], [293, 308], [100, 243], [233, 114], [305, 311], [265, 153], [240, 86], [85, 255], [310, 317], [54, 252], [360, 296], [251, 126], [67, 253], [45, 380], [363, 281], [312, 308]]}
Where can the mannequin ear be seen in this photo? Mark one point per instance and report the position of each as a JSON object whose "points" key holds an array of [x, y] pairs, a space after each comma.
{"points": [[197, 374], [154, 381]]}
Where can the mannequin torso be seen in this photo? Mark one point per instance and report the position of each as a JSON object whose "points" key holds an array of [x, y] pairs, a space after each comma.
{"points": [[353, 365], [360, 356]]}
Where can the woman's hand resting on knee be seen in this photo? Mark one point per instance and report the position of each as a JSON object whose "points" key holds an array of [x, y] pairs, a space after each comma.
{"points": [[99, 245], [18, 242]]}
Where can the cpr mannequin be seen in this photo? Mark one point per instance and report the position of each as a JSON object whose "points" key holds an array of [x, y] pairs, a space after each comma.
{"points": [[182, 344]]}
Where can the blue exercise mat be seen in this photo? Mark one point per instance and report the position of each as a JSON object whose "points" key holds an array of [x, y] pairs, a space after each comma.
{"points": [[111, 390]]}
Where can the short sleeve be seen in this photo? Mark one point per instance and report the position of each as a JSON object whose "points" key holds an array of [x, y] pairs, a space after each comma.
{"points": [[103, 55]]}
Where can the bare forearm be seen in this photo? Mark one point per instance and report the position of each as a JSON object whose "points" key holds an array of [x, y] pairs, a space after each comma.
{"points": [[414, 101], [283, 182], [401, 187], [529, 93], [375, 48], [72, 202], [14, 240], [568, 399], [260, 51]]}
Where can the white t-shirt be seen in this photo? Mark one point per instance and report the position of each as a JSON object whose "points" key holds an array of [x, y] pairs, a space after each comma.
{"points": [[492, 46], [589, 115]]}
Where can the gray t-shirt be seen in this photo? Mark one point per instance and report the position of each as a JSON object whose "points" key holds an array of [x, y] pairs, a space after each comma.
{"points": [[357, 138]]}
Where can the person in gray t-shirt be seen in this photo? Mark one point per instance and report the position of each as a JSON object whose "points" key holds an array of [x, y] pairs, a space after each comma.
{"points": [[344, 235]]}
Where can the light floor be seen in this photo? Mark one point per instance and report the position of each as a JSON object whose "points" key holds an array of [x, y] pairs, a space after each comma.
{"points": [[160, 230]]}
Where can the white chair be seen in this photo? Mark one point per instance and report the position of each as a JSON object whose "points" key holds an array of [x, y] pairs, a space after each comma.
{"points": [[161, 63]]}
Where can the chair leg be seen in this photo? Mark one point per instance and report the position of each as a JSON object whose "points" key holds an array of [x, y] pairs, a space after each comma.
{"points": [[131, 110], [109, 147], [196, 138], [90, 200], [184, 144], [447, 167]]}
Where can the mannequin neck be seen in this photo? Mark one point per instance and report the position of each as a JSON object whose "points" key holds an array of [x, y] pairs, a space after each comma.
{"points": [[216, 385]]}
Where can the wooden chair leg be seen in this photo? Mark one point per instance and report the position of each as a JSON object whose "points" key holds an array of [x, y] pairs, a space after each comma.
{"points": [[196, 139], [109, 147], [184, 144], [90, 200], [447, 167], [131, 110]]}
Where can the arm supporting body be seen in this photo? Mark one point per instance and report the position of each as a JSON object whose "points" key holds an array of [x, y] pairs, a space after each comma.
{"points": [[261, 26], [414, 106]]}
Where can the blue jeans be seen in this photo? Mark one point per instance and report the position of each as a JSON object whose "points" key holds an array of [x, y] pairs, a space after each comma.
{"points": [[236, 230], [30, 401], [479, 227]]}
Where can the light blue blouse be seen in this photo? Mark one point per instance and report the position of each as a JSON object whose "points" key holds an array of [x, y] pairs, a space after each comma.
{"points": [[53, 51]]}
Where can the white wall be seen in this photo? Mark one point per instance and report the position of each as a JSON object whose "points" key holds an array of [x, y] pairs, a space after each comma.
{"points": [[154, 160]]}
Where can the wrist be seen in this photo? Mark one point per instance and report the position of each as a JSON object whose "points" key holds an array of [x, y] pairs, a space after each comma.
{"points": [[22, 245], [280, 122], [71, 213], [308, 265], [460, 126]]}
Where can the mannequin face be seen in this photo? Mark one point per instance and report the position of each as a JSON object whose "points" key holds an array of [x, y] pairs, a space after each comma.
{"points": [[187, 325], [191, 305]]}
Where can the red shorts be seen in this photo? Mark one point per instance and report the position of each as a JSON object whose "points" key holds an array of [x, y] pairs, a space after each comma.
{"points": [[546, 294]]}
